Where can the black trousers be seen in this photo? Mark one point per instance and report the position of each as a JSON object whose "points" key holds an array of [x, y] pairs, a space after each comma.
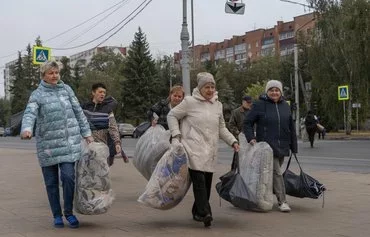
{"points": [[311, 135], [202, 182]]}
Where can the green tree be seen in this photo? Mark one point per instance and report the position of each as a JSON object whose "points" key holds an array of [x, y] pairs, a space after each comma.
{"points": [[255, 90], [66, 73], [141, 85], [105, 67], [4, 112], [20, 88], [340, 56]]}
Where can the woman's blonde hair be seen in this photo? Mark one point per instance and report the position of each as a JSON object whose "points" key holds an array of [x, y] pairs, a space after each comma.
{"points": [[176, 89], [46, 66]]}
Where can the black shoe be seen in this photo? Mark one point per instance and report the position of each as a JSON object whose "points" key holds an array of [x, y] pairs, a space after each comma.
{"points": [[207, 220], [198, 218]]}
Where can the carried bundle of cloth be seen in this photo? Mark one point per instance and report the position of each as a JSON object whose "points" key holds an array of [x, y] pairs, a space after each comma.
{"points": [[93, 187], [165, 166]]}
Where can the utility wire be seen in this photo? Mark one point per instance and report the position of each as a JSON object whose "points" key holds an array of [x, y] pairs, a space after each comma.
{"points": [[125, 23], [74, 27], [89, 42], [94, 25]]}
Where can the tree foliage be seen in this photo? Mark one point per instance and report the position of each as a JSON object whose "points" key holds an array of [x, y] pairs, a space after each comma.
{"points": [[141, 84], [340, 56]]}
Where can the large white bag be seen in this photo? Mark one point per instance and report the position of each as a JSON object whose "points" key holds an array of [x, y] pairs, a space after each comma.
{"points": [[170, 180], [150, 148], [93, 188], [256, 169]]}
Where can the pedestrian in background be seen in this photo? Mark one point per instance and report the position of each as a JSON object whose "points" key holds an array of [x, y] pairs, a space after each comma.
{"points": [[60, 122], [237, 116], [274, 124], [108, 134], [157, 114], [202, 124], [311, 126]]}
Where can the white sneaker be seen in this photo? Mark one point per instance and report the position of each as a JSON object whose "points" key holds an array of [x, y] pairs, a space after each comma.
{"points": [[284, 207]]}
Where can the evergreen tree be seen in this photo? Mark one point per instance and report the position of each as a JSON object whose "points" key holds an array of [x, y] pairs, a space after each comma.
{"points": [[141, 86], [66, 73], [20, 88]]}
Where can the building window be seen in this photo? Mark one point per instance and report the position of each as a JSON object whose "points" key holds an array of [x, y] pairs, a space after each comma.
{"points": [[268, 51], [256, 44], [240, 56], [229, 51], [268, 41], [286, 35], [240, 48], [220, 54]]}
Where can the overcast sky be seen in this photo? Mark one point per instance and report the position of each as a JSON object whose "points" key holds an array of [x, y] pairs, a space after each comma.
{"points": [[21, 21]]}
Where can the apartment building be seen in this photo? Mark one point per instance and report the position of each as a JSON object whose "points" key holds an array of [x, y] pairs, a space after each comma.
{"points": [[84, 57], [252, 45]]}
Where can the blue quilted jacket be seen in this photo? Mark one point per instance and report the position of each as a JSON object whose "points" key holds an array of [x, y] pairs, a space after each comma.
{"points": [[60, 122]]}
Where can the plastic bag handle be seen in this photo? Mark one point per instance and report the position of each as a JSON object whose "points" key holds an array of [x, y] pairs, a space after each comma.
{"points": [[290, 158], [235, 163]]}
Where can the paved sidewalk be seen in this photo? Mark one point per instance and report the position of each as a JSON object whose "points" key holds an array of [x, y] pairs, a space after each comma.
{"points": [[24, 209]]}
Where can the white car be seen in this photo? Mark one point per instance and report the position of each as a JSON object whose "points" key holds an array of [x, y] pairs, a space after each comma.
{"points": [[126, 129]]}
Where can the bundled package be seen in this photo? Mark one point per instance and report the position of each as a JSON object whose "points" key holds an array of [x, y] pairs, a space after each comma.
{"points": [[256, 170], [170, 180], [93, 187], [150, 148]]}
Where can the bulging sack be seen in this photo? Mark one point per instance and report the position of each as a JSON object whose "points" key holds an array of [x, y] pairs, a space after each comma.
{"points": [[150, 148], [170, 180], [256, 169], [93, 188]]}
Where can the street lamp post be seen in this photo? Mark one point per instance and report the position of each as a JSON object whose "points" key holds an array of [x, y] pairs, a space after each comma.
{"points": [[296, 91], [185, 51]]}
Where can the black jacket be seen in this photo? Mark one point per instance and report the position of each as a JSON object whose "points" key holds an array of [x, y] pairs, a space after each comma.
{"points": [[274, 125], [108, 106], [161, 108]]}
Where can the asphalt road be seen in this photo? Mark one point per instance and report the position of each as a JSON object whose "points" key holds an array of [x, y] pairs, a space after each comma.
{"points": [[335, 155]]}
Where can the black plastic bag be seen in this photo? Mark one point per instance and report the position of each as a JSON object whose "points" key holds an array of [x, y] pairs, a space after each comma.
{"points": [[303, 185], [233, 189], [141, 129]]}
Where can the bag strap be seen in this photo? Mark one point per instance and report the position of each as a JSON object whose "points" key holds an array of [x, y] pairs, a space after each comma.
{"points": [[235, 163], [290, 159]]}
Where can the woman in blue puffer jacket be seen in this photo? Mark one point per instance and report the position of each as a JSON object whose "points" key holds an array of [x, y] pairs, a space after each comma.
{"points": [[60, 123]]}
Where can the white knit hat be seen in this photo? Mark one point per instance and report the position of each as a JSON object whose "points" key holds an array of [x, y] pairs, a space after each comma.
{"points": [[204, 78], [274, 83]]}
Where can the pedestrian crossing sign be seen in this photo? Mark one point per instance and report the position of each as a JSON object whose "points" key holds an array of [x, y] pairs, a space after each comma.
{"points": [[41, 54], [343, 93]]}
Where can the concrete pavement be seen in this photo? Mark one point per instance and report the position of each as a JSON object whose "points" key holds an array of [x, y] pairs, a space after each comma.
{"points": [[24, 209]]}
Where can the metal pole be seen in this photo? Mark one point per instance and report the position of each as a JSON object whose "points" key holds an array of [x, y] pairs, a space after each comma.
{"points": [[344, 115], [192, 31], [296, 93], [357, 117], [185, 51]]}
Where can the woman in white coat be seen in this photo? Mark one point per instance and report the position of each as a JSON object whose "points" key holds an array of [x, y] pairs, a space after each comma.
{"points": [[197, 122]]}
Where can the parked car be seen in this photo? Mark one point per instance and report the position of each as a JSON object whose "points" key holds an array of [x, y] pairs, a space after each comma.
{"points": [[126, 129], [2, 131], [141, 129], [8, 132]]}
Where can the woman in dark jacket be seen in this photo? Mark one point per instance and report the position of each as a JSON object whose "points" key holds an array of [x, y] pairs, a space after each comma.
{"points": [[274, 125]]}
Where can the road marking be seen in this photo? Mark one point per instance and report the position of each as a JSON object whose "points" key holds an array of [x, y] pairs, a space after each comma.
{"points": [[332, 158]]}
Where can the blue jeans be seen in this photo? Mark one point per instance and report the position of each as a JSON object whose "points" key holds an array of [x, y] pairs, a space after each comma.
{"points": [[51, 179]]}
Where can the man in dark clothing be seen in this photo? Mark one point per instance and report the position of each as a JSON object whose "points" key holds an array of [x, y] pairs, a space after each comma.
{"points": [[311, 126], [237, 116], [110, 136]]}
